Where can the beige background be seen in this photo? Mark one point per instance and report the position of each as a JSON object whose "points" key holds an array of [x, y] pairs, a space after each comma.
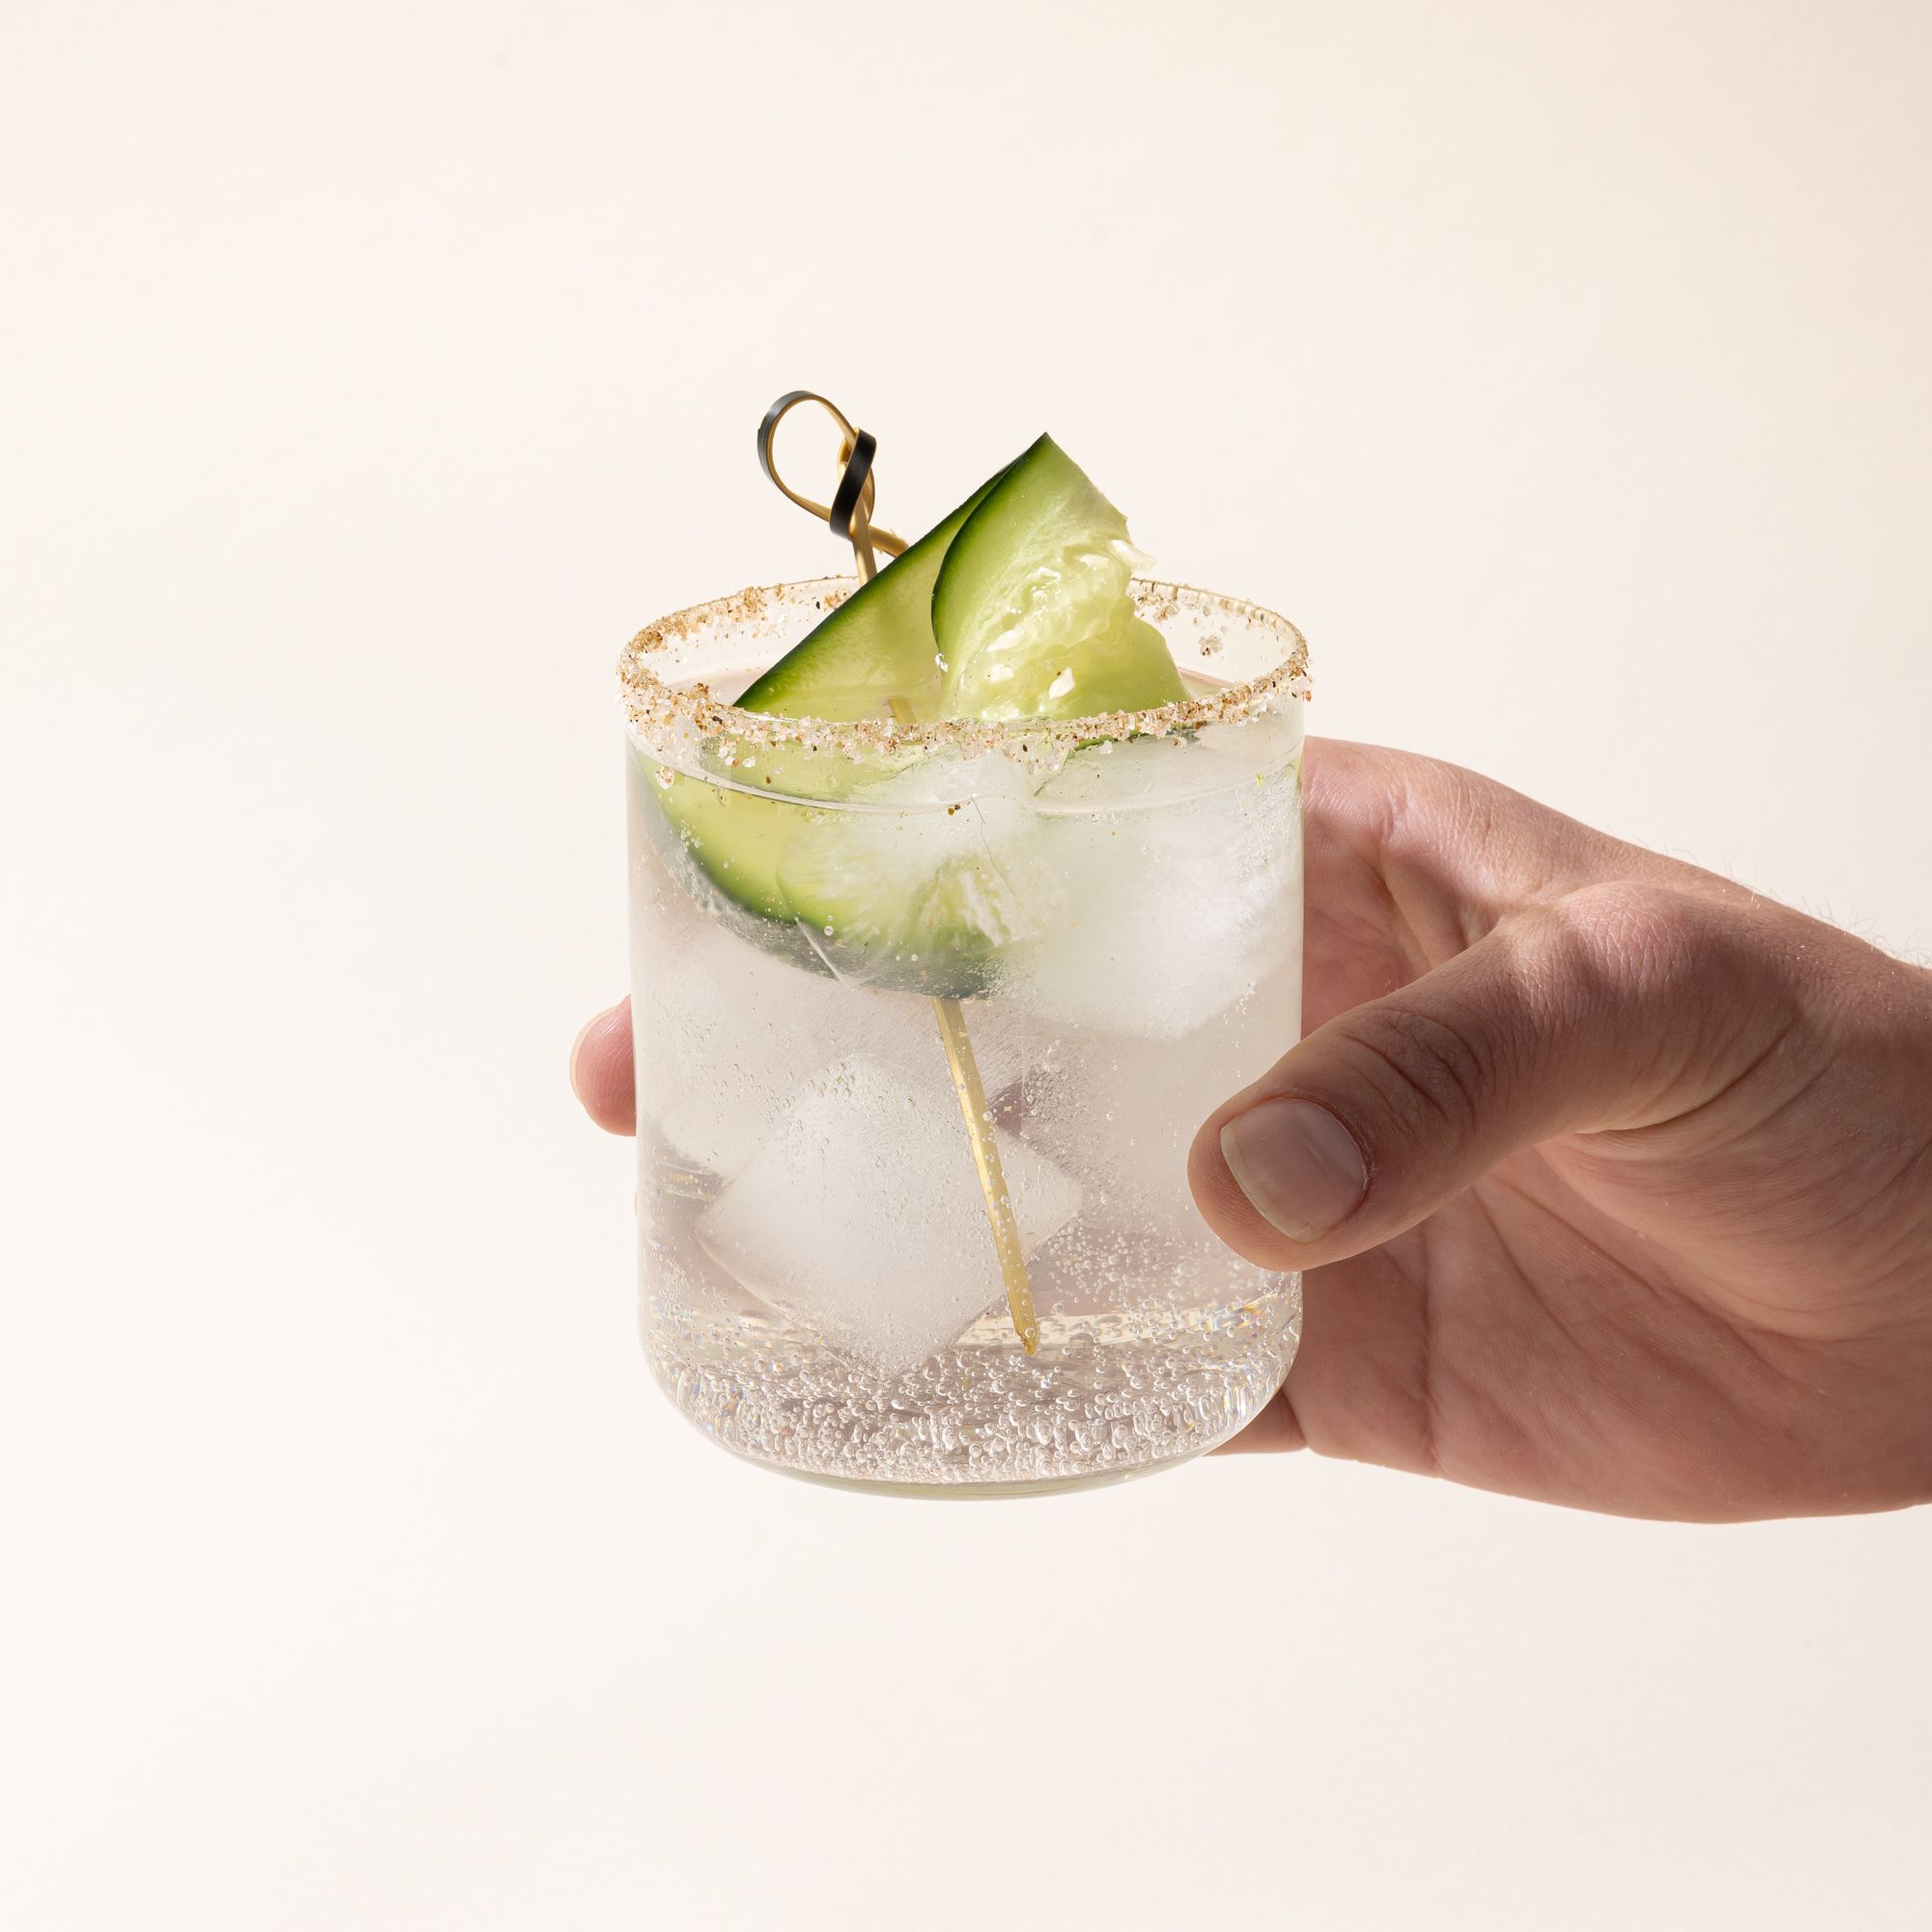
{"points": [[369, 372]]}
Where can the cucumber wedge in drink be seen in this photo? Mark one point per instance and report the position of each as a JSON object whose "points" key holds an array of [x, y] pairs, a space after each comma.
{"points": [[877, 646], [1015, 605], [1031, 608]]}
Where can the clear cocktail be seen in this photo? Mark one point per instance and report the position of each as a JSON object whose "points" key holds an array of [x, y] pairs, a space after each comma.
{"points": [[929, 1008]]}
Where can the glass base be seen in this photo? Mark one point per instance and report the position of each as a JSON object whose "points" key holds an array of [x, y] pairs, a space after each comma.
{"points": [[977, 1492], [1103, 1401]]}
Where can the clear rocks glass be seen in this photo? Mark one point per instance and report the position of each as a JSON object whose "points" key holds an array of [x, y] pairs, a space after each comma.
{"points": [[925, 1020]]}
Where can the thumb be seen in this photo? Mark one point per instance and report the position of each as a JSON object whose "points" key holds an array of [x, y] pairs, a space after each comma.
{"points": [[1617, 1007]]}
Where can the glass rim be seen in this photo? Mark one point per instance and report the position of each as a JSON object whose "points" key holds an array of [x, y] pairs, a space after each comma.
{"points": [[654, 707]]}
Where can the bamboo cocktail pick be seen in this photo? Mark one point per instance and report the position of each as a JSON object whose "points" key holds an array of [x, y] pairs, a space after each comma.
{"points": [[850, 516]]}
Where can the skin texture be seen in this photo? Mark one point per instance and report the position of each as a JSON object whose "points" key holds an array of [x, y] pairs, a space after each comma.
{"points": [[1645, 1167]]}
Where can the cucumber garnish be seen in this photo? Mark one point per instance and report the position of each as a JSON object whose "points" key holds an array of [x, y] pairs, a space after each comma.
{"points": [[876, 647], [1031, 608], [1015, 605]]}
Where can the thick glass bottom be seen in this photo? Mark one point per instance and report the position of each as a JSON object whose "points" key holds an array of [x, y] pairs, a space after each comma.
{"points": [[1104, 1400], [1063, 1486]]}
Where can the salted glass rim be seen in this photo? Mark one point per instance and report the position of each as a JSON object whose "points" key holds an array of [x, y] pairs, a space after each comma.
{"points": [[655, 706]]}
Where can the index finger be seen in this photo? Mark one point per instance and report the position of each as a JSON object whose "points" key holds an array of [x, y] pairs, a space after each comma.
{"points": [[602, 1071]]}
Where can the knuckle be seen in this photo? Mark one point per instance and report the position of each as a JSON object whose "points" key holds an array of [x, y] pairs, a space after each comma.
{"points": [[1679, 987], [1420, 1065], [1633, 939]]}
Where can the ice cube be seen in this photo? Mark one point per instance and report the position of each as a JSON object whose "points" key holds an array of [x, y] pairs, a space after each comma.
{"points": [[861, 1219], [726, 1034], [1120, 1114], [1176, 911], [723, 1032]]}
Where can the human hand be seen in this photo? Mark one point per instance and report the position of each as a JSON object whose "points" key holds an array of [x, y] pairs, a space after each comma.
{"points": [[1626, 1174], [1614, 1179]]}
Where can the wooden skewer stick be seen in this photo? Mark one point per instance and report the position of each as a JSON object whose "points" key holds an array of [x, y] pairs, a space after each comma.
{"points": [[966, 1083], [850, 515]]}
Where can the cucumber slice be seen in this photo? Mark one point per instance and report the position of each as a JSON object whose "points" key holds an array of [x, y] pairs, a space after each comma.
{"points": [[876, 647], [1014, 605], [924, 899], [728, 845], [721, 847], [726, 840], [918, 898], [1031, 608]]}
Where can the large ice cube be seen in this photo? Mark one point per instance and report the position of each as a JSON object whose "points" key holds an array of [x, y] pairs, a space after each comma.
{"points": [[727, 1034], [861, 1219], [1120, 1114], [1176, 910]]}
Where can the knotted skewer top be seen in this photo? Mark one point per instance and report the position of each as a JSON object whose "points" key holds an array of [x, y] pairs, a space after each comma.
{"points": [[850, 510]]}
